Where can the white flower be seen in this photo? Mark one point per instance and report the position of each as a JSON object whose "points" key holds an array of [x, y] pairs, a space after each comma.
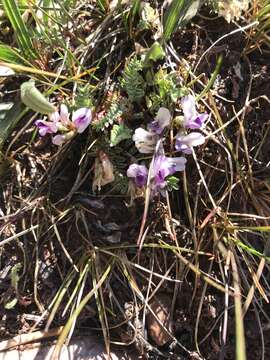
{"points": [[162, 120], [185, 143], [145, 141], [192, 119]]}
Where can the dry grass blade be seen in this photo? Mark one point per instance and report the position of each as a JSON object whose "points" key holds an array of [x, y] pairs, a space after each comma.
{"points": [[239, 323]]}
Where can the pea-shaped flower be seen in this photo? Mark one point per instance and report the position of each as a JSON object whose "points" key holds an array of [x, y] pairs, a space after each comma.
{"points": [[138, 173], [145, 141], [164, 166], [65, 128], [185, 143], [162, 120], [192, 119]]}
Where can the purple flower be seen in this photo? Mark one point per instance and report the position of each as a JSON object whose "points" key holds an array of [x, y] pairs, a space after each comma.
{"points": [[64, 115], [192, 119], [138, 173], [81, 118], [185, 143], [46, 127], [161, 121], [60, 117], [60, 122], [162, 167], [56, 121]]}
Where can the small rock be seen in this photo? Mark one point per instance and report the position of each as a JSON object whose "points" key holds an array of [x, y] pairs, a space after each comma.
{"points": [[161, 307]]}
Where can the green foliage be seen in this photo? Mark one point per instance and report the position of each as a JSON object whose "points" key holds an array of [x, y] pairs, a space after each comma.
{"points": [[149, 16], [155, 53], [179, 13], [22, 33], [168, 90], [10, 115], [10, 55], [14, 283], [119, 133], [132, 81], [173, 183], [83, 97], [114, 113], [263, 29], [34, 99]]}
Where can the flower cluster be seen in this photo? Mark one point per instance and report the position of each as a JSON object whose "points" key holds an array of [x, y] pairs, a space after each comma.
{"points": [[59, 123], [150, 141], [161, 167]]}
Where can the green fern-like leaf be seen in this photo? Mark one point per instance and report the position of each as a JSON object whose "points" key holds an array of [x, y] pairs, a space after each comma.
{"points": [[83, 97], [120, 133], [132, 81], [114, 113]]}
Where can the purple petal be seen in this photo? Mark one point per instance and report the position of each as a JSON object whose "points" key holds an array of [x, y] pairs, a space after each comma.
{"points": [[64, 115], [46, 127], [192, 119], [139, 173], [55, 117], [58, 140], [161, 169], [186, 142], [188, 106], [161, 121], [179, 146], [81, 119], [163, 117], [196, 122], [176, 164], [155, 127]]}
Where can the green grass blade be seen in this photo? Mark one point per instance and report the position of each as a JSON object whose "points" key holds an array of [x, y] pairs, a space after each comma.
{"points": [[8, 120], [178, 14], [9, 55], [77, 312], [239, 323], [22, 33]]}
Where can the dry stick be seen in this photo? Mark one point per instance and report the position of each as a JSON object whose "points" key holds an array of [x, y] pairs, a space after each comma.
{"points": [[241, 121], [173, 236], [213, 327], [140, 295], [147, 200], [226, 301], [239, 322], [36, 272], [261, 332], [13, 237], [262, 263], [27, 338], [148, 290]]}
